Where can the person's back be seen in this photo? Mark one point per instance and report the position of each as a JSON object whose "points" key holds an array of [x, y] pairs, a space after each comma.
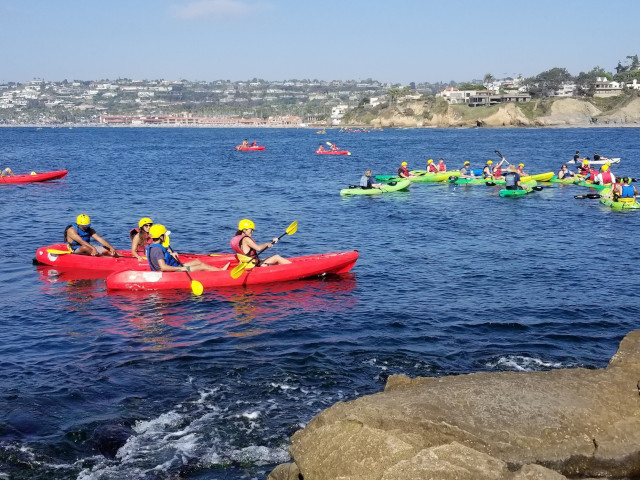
{"points": [[365, 182], [512, 179]]}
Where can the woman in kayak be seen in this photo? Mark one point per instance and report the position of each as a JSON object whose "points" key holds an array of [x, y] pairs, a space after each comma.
{"points": [[565, 173], [245, 143], [140, 238], [367, 182], [334, 147], [7, 172], [487, 171], [442, 167], [431, 167], [162, 258], [320, 148], [243, 244], [79, 235], [521, 169], [497, 170], [512, 179]]}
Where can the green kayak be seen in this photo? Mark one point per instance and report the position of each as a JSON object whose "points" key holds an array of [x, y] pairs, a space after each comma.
{"points": [[391, 187], [563, 181], [515, 193], [582, 183], [475, 181], [619, 205], [421, 176]]}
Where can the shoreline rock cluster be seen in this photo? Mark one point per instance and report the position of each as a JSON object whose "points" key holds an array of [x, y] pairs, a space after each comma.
{"points": [[551, 425]]}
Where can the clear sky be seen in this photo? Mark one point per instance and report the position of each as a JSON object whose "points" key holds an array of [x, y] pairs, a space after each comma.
{"points": [[392, 41]]}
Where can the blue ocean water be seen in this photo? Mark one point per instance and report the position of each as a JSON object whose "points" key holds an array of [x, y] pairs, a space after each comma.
{"points": [[451, 279]]}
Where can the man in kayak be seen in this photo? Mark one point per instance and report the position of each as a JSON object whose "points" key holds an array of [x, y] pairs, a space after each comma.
{"points": [[79, 235], [248, 250], [512, 179], [604, 177], [565, 173], [403, 170], [487, 171], [442, 167], [245, 143], [465, 171], [367, 182], [7, 172], [576, 157], [162, 258], [626, 190]]}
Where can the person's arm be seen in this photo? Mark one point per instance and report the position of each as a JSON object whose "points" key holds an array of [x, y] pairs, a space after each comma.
{"points": [[134, 246], [73, 235], [168, 268], [249, 242], [104, 243]]}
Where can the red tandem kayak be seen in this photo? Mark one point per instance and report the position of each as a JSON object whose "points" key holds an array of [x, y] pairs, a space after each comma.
{"points": [[53, 255], [35, 177], [333, 152], [240, 148], [299, 268]]}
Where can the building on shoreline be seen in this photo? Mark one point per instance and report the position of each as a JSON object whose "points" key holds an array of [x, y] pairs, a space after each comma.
{"points": [[189, 120]]}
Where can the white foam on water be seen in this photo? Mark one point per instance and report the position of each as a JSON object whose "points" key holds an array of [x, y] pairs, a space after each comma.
{"points": [[522, 363], [251, 415]]}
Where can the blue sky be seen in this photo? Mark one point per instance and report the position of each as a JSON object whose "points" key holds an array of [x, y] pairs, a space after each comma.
{"points": [[393, 41]]}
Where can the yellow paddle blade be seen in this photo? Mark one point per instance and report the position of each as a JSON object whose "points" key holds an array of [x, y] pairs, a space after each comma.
{"points": [[329, 143], [238, 269], [348, 153], [196, 287], [58, 252], [293, 228]]}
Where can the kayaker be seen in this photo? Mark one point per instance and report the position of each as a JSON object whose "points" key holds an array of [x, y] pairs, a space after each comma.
{"points": [[367, 182], [245, 143], [604, 177], [431, 167], [442, 167], [140, 238], [403, 170], [243, 244], [583, 169], [162, 258], [591, 174], [254, 143], [486, 170], [564, 172], [626, 190], [7, 172], [596, 157], [79, 235], [576, 157], [497, 170], [512, 179], [521, 169], [465, 171], [334, 147], [320, 148]]}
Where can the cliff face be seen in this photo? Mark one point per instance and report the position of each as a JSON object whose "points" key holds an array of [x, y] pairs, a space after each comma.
{"points": [[560, 112], [505, 426]]}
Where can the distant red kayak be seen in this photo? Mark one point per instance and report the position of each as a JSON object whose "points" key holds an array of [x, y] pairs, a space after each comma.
{"points": [[333, 152], [37, 177], [299, 268], [55, 256], [240, 148]]}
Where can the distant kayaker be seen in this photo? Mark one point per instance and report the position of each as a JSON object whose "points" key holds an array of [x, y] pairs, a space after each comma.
{"points": [[367, 182], [512, 179], [162, 258], [334, 147], [576, 157], [140, 238], [7, 172], [245, 143], [320, 148], [403, 171], [583, 169], [465, 171], [596, 157], [565, 173], [243, 244], [497, 170], [79, 235], [604, 177], [442, 167], [520, 169], [487, 171], [254, 143], [626, 190], [431, 167]]}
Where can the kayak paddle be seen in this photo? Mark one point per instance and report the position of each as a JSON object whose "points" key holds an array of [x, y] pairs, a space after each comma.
{"points": [[196, 286], [238, 269], [331, 145], [588, 195]]}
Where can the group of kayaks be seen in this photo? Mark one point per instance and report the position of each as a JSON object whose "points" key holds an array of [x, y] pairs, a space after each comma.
{"points": [[34, 177], [259, 148], [125, 272]]}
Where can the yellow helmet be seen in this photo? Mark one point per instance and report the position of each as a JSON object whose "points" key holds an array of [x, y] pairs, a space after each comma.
{"points": [[83, 220], [430, 160], [144, 221], [404, 164], [604, 167], [467, 162], [157, 230], [245, 224], [489, 162], [521, 164], [585, 162]]}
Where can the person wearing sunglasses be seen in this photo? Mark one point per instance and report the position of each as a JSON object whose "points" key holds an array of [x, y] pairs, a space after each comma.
{"points": [[140, 238]]}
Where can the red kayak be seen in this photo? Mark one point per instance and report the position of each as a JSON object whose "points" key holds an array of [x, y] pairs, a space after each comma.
{"points": [[299, 268], [56, 256], [333, 152], [35, 177], [240, 148]]}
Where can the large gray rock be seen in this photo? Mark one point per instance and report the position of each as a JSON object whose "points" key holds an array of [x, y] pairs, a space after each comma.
{"points": [[504, 426]]}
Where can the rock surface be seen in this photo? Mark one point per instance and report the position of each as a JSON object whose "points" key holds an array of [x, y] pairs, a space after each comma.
{"points": [[573, 423]]}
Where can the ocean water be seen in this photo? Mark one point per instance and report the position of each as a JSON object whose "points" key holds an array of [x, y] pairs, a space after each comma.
{"points": [[451, 279]]}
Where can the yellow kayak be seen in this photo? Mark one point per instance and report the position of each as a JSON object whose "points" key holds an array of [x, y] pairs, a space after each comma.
{"points": [[539, 177]]}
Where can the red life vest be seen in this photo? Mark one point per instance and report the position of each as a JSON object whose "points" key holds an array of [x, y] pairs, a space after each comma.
{"points": [[442, 167], [403, 171], [432, 168], [606, 177], [236, 246], [497, 172], [592, 174]]}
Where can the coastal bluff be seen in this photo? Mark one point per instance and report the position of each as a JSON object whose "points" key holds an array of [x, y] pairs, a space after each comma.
{"points": [[551, 425]]}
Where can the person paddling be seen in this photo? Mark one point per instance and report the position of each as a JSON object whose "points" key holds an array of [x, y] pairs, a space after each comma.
{"points": [[78, 236], [334, 147], [7, 172], [141, 238], [162, 258], [247, 249], [367, 182], [497, 170], [512, 179]]}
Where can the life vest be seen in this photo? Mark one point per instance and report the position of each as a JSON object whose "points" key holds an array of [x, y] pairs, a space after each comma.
{"points": [[627, 191], [403, 171], [606, 177], [497, 172], [140, 249], [511, 179], [236, 246], [592, 175], [486, 171], [442, 167], [334, 147], [432, 168], [168, 258], [583, 170], [85, 236]]}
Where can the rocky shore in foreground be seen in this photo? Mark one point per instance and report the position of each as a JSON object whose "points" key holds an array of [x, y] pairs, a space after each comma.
{"points": [[553, 425]]}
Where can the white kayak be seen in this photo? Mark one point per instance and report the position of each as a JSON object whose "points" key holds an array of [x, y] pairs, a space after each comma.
{"points": [[602, 161]]}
